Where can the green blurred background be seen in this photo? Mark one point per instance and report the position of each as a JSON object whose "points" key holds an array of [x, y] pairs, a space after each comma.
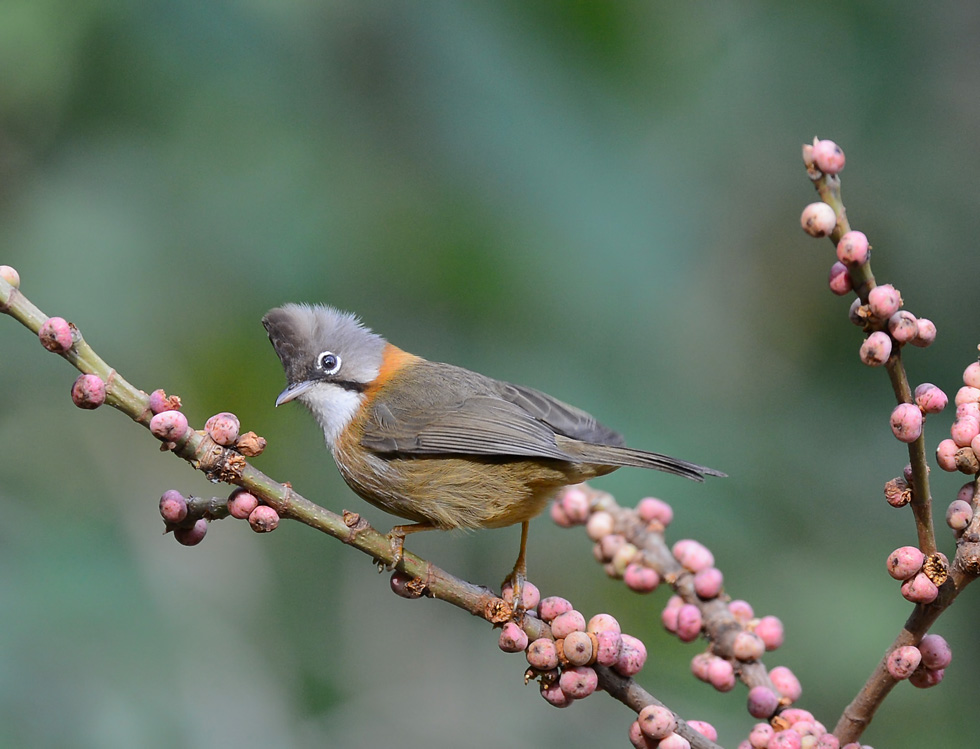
{"points": [[597, 199]]}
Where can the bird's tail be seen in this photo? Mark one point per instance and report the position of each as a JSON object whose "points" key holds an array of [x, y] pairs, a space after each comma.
{"points": [[613, 455]]}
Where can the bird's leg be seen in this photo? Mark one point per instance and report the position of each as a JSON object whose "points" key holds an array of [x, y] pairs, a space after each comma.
{"points": [[518, 576], [396, 538]]}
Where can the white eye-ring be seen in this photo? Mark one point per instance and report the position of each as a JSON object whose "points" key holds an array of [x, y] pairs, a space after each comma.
{"points": [[328, 362]]}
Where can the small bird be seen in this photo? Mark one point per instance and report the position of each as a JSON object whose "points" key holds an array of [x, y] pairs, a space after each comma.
{"points": [[437, 444]]}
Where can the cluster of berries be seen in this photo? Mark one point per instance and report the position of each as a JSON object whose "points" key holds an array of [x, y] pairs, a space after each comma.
{"points": [[961, 450], [188, 517], [795, 728]]}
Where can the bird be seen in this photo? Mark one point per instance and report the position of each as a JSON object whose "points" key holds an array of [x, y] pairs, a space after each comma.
{"points": [[436, 444]]}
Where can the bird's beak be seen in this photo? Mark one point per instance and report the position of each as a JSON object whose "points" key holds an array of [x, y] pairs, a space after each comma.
{"points": [[294, 390]]}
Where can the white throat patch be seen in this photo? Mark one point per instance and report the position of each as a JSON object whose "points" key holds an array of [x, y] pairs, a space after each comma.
{"points": [[333, 407]]}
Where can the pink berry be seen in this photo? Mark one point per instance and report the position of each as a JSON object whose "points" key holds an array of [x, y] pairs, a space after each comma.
{"points": [[827, 156], [241, 503], [971, 375], [959, 514], [173, 506], [853, 248], [902, 325], [689, 623], [827, 741], [168, 426], [223, 428], [905, 562], [876, 349], [966, 492], [88, 392], [770, 629], [906, 422], [760, 735], [652, 509], [794, 715], [192, 536], [623, 558], [570, 621], [884, 301], [55, 335], [405, 585], [674, 741], [741, 610], [701, 664], [575, 502], [946, 455], [542, 654], [926, 677], [669, 614], [967, 394], [930, 398], [707, 583], [578, 682], [762, 702], [638, 740], [632, 656], [609, 545], [919, 589], [925, 333], [640, 578], [552, 606], [936, 653], [609, 646], [160, 401], [603, 623], [964, 430], [555, 696], [748, 646], [10, 275], [599, 525], [558, 515], [263, 519], [530, 595], [818, 220], [903, 661], [705, 729], [721, 675], [839, 279], [578, 649], [786, 683], [693, 555], [513, 639], [788, 739], [656, 722]]}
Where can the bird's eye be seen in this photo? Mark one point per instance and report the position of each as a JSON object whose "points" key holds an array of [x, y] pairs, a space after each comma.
{"points": [[328, 362]]}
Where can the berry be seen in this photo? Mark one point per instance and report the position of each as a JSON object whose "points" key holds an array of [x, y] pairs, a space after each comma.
{"points": [[223, 428], [705, 729], [603, 623], [674, 741], [786, 683], [693, 555], [903, 661], [599, 524], [160, 401], [707, 583], [971, 375], [721, 675], [640, 578], [741, 610], [513, 639], [623, 557], [263, 519], [609, 646], [651, 509], [168, 426], [656, 722], [10, 275], [818, 220], [405, 585], [906, 422], [959, 514], [564, 624], [530, 595], [760, 735], [905, 562], [827, 741], [632, 656], [88, 392], [173, 506], [926, 677], [578, 682], [762, 702], [853, 248], [770, 629], [689, 623], [542, 654], [700, 665], [946, 455], [919, 589], [839, 279], [748, 646], [930, 398], [967, 394], [575, 503], [902, 325], [827, 156], [55, 335], [241, 504], [555, 696], [884, 301], [669, 615], [193, 535], [925, 333], [936, 653], [876, 349], [578, 648], [788, 739], [558, 515], [964, 430], [552, 606]]}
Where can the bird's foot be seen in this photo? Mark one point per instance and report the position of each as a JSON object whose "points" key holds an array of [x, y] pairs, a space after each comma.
{"points": [[396, 542], [515, 582]]}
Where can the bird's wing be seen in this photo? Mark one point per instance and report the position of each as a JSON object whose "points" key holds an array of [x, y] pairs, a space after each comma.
{"points": [[462, 412]]}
